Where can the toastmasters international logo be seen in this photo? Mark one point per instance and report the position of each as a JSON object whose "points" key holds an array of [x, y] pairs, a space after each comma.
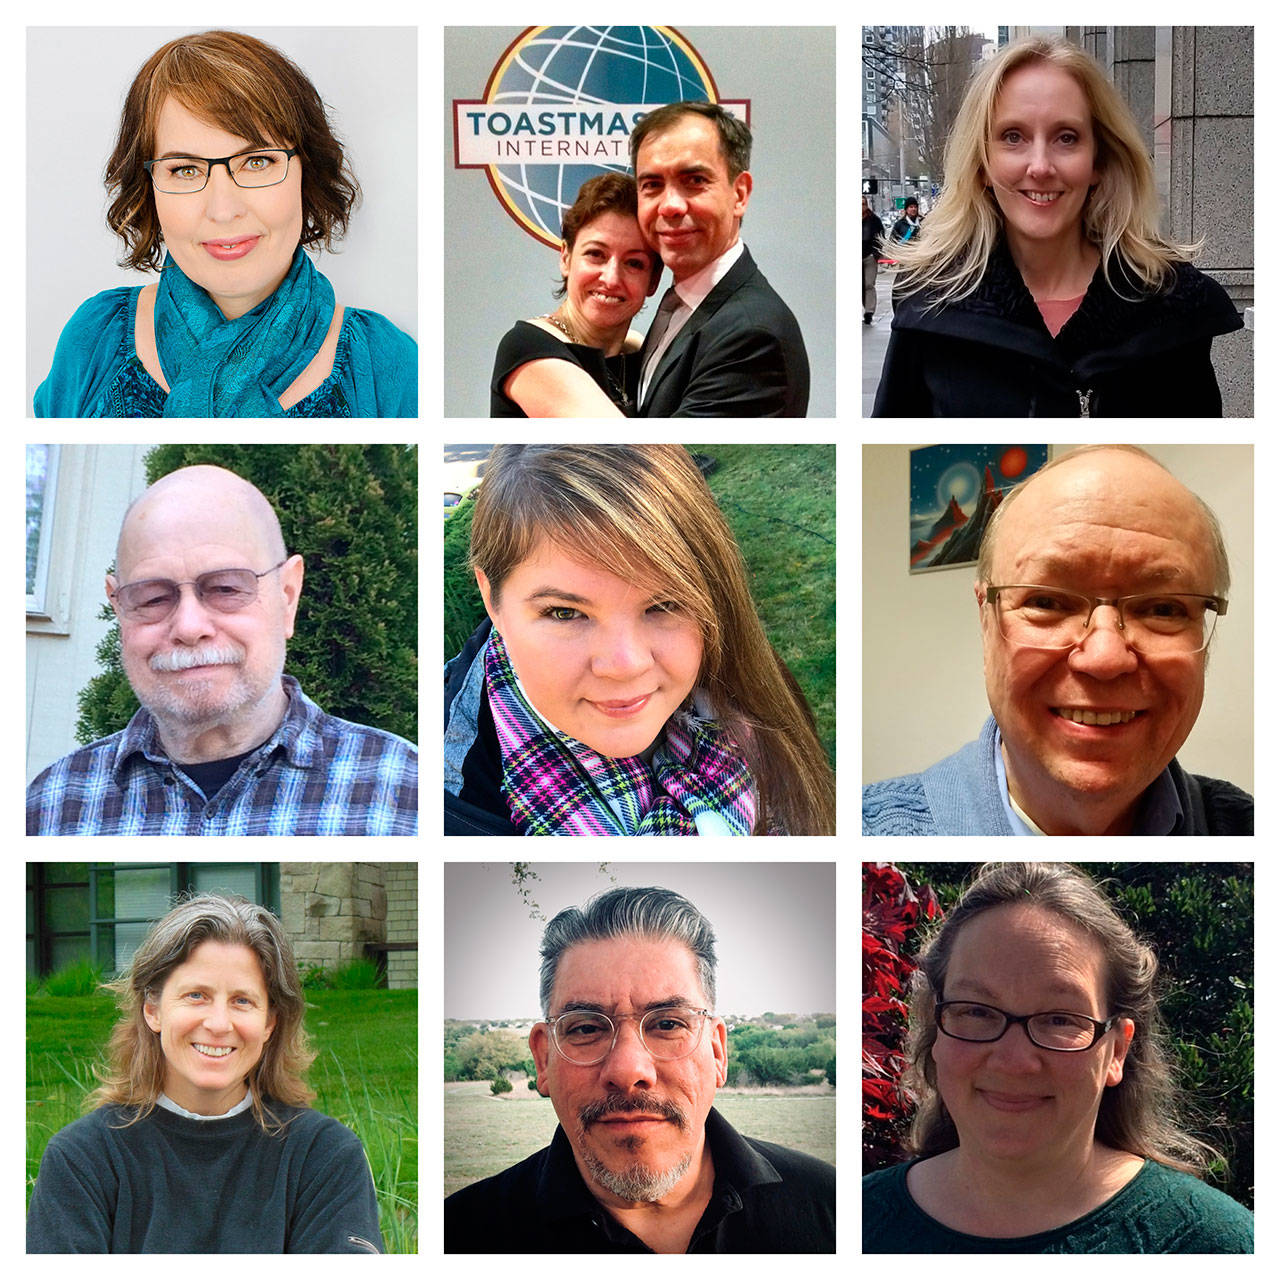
{"points": [[560, 106]]}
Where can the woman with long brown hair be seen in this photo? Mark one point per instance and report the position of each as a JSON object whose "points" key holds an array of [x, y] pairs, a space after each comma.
{"points": [[1047, 1117], [200, 1139], [623, 684]]}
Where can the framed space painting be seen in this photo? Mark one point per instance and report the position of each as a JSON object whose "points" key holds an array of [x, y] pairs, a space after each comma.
{"points": [[954, 490]]}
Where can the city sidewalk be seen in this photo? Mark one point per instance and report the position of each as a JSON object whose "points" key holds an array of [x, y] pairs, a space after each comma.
{"points": [[875, 340]]}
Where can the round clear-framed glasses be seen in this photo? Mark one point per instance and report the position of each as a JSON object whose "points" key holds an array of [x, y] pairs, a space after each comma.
{"points": [[185, 175], [587, 1036], [1160, 622], [1056, 1029], [223, 590]]}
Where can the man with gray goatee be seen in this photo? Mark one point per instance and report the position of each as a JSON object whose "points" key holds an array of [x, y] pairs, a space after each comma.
{"points": [[224, 742], [631, 1052]]}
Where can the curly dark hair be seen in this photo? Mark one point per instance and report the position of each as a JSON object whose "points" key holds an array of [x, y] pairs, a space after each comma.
{"points": [[249, 89]]}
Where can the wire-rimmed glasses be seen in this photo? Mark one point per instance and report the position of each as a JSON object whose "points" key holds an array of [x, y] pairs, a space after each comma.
{"points": [[1054, 1029], [587, 1036], [223, 590], [185, 175], [1161, 623]]}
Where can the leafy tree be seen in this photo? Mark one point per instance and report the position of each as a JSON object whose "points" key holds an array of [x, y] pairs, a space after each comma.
{"points": [[485, 1054], [891, 913], [350, 510]]}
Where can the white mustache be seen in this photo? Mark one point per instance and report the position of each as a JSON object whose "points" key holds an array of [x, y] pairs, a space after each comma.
{"points": [[181, 659]]}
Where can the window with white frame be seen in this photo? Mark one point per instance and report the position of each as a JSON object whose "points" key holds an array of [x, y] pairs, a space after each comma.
{"points": [[42, 484]]}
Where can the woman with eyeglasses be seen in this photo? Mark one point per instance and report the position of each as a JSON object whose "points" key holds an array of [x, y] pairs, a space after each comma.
{"points": [[225, 172], [1046, 1118], [622, 683], [200, 1139], [1040, 284]]}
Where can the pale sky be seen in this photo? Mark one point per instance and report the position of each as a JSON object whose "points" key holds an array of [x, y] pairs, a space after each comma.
{"points": [[774, 925]]}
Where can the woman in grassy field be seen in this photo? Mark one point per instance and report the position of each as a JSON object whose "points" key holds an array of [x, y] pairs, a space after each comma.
{"points": [[201, 1140], [623, 684]]}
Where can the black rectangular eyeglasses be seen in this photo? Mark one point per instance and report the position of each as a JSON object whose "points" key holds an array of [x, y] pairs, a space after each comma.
{"points": [[1055, 1029], [185, 175]]}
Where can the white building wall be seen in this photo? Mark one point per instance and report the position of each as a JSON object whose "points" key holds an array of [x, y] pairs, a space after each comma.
{"points": [[96, 483]]}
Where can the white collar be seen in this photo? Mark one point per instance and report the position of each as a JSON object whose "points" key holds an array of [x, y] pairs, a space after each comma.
{"points": [[693, 291], [169, 1105]]}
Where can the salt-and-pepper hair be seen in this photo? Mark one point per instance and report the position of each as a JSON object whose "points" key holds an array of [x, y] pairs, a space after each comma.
{"points": [[135, 1071], [630, 912]]}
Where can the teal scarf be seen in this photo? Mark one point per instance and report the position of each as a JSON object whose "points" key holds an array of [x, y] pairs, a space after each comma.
{"points": [[220, 368]]}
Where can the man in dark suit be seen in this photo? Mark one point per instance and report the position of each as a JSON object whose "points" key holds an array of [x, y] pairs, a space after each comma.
{"points": [[723, 344]]}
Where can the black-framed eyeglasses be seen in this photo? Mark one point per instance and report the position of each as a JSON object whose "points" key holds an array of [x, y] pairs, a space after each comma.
{"points": [[587, 1036], [1055, 1029], [185, 175], [1158, 622], [223, 590]]}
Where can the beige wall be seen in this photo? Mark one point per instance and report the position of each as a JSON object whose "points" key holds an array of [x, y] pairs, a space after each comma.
{"points": [[922, 689]]}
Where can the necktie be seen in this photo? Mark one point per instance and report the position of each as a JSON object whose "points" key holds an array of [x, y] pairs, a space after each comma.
{"points": [[653, 345]]}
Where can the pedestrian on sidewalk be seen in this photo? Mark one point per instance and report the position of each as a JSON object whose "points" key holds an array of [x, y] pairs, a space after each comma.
{"points": [[872, 237]]}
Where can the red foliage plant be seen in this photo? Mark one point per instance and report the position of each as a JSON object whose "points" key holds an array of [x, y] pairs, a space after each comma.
{"points": [[891, 911]]}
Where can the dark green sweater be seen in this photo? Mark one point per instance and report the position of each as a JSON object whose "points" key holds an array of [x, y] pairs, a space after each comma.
{"points": [[168, 1184], [1160, 1211]]}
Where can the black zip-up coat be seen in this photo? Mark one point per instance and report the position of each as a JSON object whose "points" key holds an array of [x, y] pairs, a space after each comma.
{"points": [[1121, 355]]}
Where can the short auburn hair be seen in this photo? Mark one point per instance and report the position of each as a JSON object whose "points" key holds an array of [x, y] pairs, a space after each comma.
{"points": [[605, 193], [249, 89]]}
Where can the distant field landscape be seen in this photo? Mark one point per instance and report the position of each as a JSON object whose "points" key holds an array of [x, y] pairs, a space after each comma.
{"points": [[484, 1134]]}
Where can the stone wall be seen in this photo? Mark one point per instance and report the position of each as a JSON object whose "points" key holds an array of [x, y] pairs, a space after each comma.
{"points": [[331, 909], [402, 922]]}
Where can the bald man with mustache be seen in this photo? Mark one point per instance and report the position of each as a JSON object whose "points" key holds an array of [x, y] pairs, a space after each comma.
{"points": [[224, 743]]}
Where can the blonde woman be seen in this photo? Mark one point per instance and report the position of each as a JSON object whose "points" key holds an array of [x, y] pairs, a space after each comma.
{"points": [[201, 1140], [623, 684], [1040, 285]]}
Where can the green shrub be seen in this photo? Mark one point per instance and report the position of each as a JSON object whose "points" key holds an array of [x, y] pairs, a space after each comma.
{"points": [[351, 512], [78, 979], [500, 1085], [357, 974]]}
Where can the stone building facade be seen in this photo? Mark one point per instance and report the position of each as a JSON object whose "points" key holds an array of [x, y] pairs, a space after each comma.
{"points": [[332, 910]]}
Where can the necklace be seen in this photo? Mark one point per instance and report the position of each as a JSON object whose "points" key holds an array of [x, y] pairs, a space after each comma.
{"points": [[619, 394]]}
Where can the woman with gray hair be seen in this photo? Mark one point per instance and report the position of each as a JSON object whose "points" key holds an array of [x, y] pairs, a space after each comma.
{"points": [[1045, 1119], [203, 1093]]}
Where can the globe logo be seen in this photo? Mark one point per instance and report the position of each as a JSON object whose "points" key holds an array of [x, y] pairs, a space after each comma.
{"points": [[559, 108]]}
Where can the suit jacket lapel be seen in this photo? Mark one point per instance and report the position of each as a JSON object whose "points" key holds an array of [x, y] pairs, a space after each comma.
{"points": [[739, 273]]}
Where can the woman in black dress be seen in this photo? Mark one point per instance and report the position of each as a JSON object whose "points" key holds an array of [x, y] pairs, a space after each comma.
{"points": [[582, 359], [1040, 284]]}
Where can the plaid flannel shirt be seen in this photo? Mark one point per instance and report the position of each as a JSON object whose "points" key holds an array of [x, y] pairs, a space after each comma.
{"points": [[315, 776]]}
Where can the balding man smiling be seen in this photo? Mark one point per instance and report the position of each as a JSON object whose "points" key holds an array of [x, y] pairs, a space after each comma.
{"points": [[224, 743], [1100, 582]]}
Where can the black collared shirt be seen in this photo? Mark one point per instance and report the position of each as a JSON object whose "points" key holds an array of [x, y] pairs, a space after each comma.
{"points": [[766, 1199]]}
